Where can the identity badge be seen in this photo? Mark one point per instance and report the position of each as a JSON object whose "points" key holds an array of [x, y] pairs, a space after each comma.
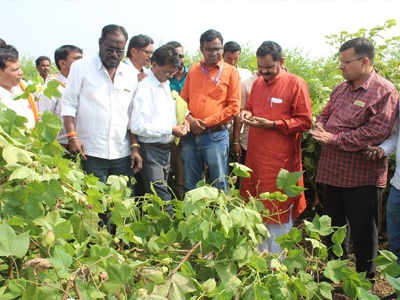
{"points": [[275, 100], [359, 103]]}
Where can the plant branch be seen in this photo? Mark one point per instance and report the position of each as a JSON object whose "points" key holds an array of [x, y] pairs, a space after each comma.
{"points": [[185, 258]]}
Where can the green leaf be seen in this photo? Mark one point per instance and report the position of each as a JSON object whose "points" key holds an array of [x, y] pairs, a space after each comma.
{"points": [[334, 270], [339, 235], [295, 260], [320, 225], [12, 244], [240, 170], [366, 295], [259, 263], [238, 217], [61, 258], [209, 286], [262, 229], [94, 197], [394, 282], [13, 155], [119, 274], [315, 243], [287, 181], [183, 283], [325, 289], [153, 275], [23, 173], [337, 250], [226, 222], [226, 273]]}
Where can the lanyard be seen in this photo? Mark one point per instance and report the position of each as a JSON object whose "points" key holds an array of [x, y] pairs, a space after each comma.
{"points": [[216, 79]]}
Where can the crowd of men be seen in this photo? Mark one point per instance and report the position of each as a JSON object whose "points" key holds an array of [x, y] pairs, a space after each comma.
{"points": [[121, 116]]}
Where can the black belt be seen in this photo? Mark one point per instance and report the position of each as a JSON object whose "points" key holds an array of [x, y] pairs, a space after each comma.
{"points": [[216, 128], [159, 145]]}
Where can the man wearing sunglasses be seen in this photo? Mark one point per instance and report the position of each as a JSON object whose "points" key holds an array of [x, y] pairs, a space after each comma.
{"points": [[140, 50], [360, 113], [96, 108]]}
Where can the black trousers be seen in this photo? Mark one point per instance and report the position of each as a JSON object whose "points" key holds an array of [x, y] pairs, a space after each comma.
{"points": [[357, 207]]}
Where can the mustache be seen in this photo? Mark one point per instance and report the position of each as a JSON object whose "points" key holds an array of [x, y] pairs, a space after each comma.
{"points": [[264, 73]]}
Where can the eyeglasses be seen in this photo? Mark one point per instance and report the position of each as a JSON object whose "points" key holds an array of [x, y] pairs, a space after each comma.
{"points": [[148, 52], [217, 49], [346, 62], [111, 50]]}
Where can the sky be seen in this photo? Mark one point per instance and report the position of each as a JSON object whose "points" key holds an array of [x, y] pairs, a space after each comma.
{"points": [[38, 27]]}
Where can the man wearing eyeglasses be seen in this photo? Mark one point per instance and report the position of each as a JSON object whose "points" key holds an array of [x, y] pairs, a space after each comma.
{"points": [[212, 91], [96, 108], [154, 120], [360, 113], [140, 50]]}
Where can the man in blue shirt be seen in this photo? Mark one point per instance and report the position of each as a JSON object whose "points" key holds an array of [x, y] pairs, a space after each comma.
{"points": [[176, 82]]}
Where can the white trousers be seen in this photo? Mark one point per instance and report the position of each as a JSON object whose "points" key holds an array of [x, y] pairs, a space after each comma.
{"points": [[275, 230]]}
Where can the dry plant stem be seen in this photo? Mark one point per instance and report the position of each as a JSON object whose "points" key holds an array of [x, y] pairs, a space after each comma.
{"points": [[76, 289], [43, 284], [10, 266], [69, 285], [15, 265], [185, 258]]}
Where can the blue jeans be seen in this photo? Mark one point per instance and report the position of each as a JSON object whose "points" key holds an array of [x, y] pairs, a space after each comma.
{"points": [[393, 221], [209, 148]]}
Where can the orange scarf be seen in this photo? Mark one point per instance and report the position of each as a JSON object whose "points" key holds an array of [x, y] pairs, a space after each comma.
{"points": [[31, 102]]}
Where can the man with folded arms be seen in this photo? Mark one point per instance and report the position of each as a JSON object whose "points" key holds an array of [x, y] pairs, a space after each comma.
{"points": [[212, 91], [96, 107], [154, 120]]}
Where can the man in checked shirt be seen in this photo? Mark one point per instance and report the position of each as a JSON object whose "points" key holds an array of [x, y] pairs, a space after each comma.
{"points": [[360, 113]]}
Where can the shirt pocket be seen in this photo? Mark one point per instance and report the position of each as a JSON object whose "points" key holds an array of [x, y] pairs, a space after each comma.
{"points": [[357, 115]]}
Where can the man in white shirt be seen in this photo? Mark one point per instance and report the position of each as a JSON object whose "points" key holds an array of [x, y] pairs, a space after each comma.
{"points": [[64, 56], [10, 77], [140, 50], [96, 109], [154, 120]]}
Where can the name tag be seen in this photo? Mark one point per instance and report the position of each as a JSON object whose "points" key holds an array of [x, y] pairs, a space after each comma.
{"points": [[128, 91], [275, 100], [359, 103]]}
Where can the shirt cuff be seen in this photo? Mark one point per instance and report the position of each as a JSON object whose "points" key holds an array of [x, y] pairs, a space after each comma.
{"points": [[279, 124], [386, 149], [209, 122], [68, 111], [334, 139]]}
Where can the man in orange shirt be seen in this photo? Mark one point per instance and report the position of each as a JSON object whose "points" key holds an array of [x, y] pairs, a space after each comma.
{"points": [[212, 90], [277, 111]]}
